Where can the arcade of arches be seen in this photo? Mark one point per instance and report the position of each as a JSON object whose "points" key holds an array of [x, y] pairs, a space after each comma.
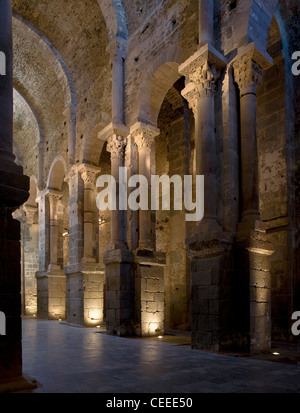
{"points": [[172, 87]]}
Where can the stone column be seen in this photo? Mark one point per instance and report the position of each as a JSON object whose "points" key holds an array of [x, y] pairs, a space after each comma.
{"points": [[253, 279], [41, 166], [54, 198], [55, 277], [206, 22], [144, 136], [30, 260], [88, 175], [116, 146], [203, 69], [14, 191], [248, 69], [209, 249], [70, 114], [85, 276], [117, 50], [149, 277]]}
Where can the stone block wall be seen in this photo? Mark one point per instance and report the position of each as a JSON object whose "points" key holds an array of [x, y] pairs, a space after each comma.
{"points": [[150, 301]]}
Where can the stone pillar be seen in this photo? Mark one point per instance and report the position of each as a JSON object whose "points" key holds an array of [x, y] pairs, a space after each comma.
{"points": [[203, 69], [117, 49], [85, 276], [248, 69], [88, 175], [70, 114], [54, 198], [144, 136], [41, 166], [149, 277], [118, 259], [30, 260], [14, 191], [116, 146], [76, 203], [131, 163], [209, 249], [253, 316], [56, 279], [206, 22]]}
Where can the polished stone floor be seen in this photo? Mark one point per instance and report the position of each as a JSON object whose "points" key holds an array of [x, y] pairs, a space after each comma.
{"points": [[64, 358]]}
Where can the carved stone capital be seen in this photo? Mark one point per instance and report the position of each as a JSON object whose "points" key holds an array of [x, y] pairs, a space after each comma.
{"points": [[247, 74], [116, 145], [144, 135], [202, 84], [53, 197], [88, 173], [30, 212], [248, 67], [203, 69]]}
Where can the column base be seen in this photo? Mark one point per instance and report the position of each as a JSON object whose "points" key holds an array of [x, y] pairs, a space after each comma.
{"points": [[253, 290], [211, 279], [149, 290], [119, 292], [85, 294], [51, 294]]}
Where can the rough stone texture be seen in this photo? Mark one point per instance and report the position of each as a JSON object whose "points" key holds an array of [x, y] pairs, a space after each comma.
{"points": [[240, 295]]}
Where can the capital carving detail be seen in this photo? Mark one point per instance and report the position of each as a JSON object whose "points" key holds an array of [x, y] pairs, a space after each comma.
{"points": [[116, 145], [88, 175], [144, 140], [247, 73], [202, 84]]}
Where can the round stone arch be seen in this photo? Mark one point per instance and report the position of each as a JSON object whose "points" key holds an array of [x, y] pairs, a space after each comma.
{"points": [[157, 80], [57, 173], [59, 66]]}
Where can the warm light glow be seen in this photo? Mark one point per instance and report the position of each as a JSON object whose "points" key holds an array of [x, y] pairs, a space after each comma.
{"points": [[101, 220], [153, 327], [65, 233], [276, 354], [160, 336]]}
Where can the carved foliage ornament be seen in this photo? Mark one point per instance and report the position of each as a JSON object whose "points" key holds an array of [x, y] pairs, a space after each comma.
{"points": [[116, 146], [247, 73], [203, 80], [144, 140]]}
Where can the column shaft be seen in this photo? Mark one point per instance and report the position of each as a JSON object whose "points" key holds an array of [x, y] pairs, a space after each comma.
{"points": [[249, 155], [53, 200], [204, 69], [116, 146], [206, 152], [88, 175], [206, 23], [144, 136], [117, 51], [248, 69]]}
